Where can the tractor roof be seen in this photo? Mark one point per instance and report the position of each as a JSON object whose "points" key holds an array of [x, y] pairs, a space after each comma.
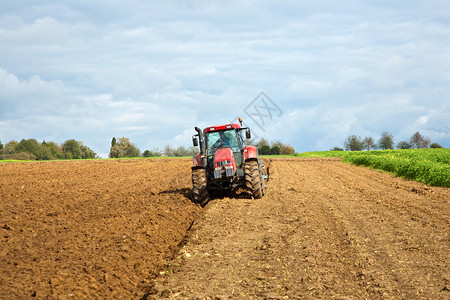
{"points": [[221, 127]]}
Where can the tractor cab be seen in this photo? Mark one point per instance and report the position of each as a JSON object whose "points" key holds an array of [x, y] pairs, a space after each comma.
{"points": [[223, 160], [224, 137], [213, 138]]}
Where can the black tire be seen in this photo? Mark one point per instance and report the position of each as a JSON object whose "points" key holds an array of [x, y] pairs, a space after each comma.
{"points": [[252, 177], [199, 187]]}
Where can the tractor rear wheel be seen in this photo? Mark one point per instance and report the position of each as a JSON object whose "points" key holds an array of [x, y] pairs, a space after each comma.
{"points": [[252, 175], [199, 187]]}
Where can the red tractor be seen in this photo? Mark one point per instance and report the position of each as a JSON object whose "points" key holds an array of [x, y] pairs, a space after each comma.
{"points": [[225, 162]]}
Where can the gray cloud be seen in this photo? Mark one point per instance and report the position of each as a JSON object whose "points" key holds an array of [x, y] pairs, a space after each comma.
{"points": [[151, 70]]}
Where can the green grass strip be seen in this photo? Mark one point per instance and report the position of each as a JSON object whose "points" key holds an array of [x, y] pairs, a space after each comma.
{"points": [[429, 166], [322, 154]]}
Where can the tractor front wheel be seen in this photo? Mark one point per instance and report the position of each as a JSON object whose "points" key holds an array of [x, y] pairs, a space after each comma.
{"points": [[253, 179], [199, 187]]}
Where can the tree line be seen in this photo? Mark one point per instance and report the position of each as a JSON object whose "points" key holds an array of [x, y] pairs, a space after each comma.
{"points": [[123, 147], [31, 149], [272, 148], [385, 142]]}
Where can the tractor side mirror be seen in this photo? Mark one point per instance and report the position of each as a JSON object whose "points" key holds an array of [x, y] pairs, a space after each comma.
{"points": [[195, 141], [248, 134]]}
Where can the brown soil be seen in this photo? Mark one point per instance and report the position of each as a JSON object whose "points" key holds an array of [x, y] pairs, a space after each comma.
{"points": [[90, 229], [324, 229]]}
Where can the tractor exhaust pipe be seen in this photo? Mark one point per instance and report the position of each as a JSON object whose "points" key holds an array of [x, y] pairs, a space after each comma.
{"points": [[202, 145], [200, 137]]}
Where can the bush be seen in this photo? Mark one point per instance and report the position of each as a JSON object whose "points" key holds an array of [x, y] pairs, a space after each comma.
{"points": [[23, 156], [435, 145], [404, 145], [264, 150], [287, 150], [123, 148], [146, 153], [275, 150], [336, 149]]}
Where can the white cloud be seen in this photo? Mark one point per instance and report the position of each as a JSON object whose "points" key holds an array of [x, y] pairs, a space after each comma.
{"points": [[152, 70], [422, 120], [11, 86]]}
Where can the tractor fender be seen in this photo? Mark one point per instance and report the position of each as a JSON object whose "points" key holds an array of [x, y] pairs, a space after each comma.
{"points": [[197, 167], [251, 152], [197, 160]]}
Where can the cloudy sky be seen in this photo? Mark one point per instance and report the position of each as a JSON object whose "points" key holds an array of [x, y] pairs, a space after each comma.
{"points": [[152, 70]]}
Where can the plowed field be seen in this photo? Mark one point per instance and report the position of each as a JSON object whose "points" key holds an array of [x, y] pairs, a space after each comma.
{"points": [[325, 229], [95, 229]]}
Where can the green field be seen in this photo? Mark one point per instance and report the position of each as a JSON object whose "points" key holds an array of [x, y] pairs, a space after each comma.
{"points": [[430, 166]]}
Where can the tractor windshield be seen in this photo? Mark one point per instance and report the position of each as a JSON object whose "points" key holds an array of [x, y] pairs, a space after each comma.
{"points": [[221, 139]]}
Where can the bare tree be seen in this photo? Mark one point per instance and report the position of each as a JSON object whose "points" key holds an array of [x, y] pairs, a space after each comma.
{"points": [[386, 141], [369, 143], [419, 141], [353, 143], [168, 150]]}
